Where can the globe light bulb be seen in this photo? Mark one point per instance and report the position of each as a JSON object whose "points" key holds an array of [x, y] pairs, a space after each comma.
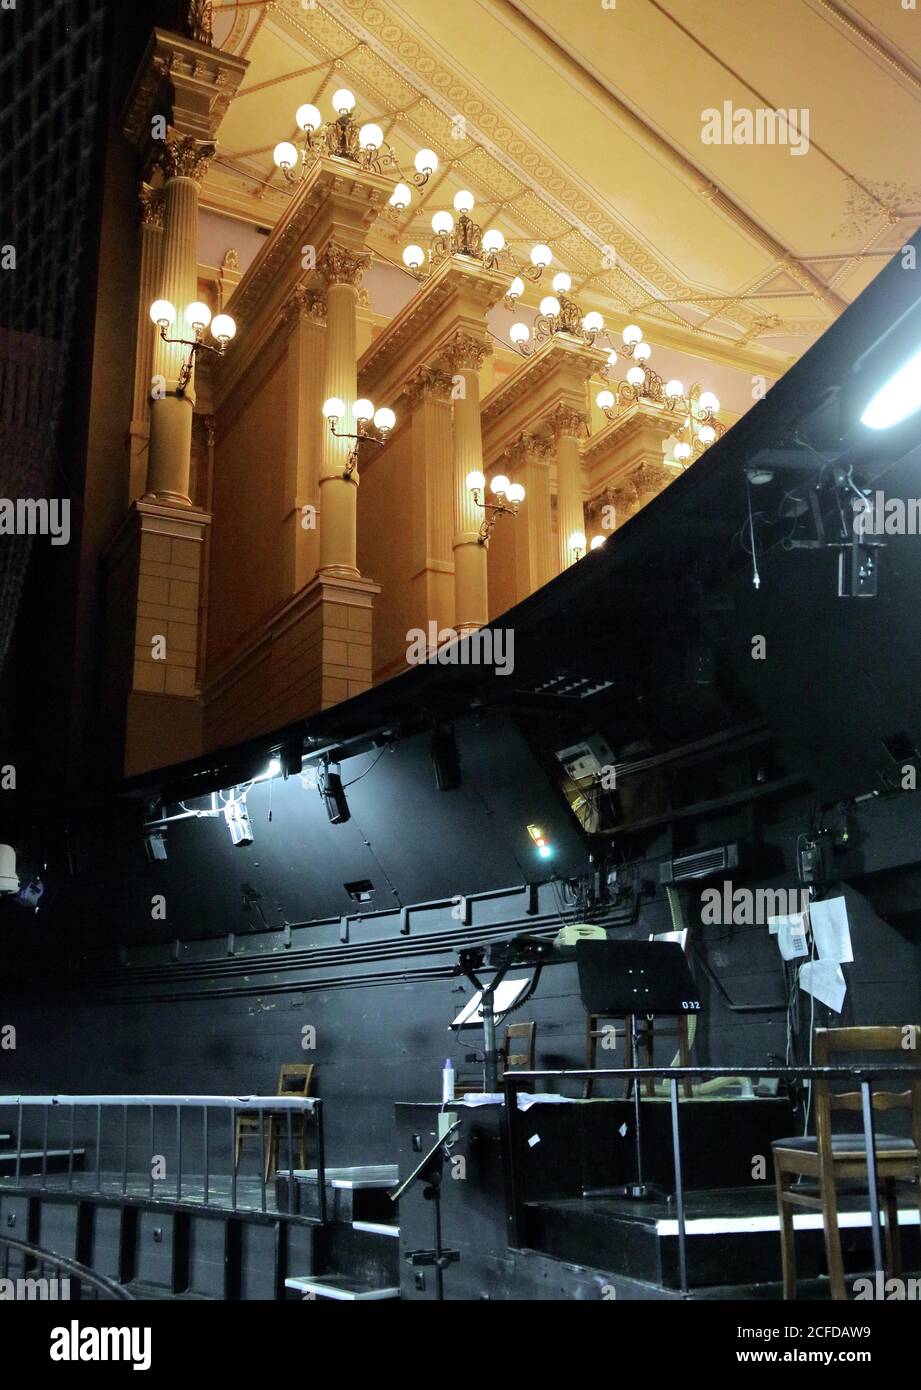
{"points": [[577, 540], [493, 240], [426, 162], [476, 482], [370, 137], [308, 117], [463, 201], [333, 409], [363, 409], [197, 315], [516, 493], [163, 312], [636, 376], [632, 334], [674, 388], [593, 322], [642, 352], [541, 255], [612, 358], [562, 283], [550, 306], [401, 197], [413, 256], [706, 434], [384, 419], [343, 100], [709, 402], [500, 485], [285, 155], [442, 223], [223, 328], [515, 289], [604, 400], [598, 542], [519, 333], [682, 450]]}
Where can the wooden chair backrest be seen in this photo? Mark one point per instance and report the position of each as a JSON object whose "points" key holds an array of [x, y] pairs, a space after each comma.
{"points": [[295, 1078], [831, 1042], [516, 1056]]}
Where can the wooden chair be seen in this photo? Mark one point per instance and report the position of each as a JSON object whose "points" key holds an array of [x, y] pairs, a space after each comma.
{"points": [[520, 1057], [294, 1079], [830, 1157], [599, 1027]]}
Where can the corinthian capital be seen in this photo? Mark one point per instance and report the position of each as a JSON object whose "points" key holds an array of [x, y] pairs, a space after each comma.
{"points": [[182, 156], [563, 419], [466, 353], [429, 382], [304, 304], [339, 266], [150, 201]]}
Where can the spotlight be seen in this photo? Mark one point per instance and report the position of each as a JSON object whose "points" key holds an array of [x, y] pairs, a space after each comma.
{"points": [[155, 845], [897, 399], [445, 758], [333, 793], [238, 823], [543, 848]]}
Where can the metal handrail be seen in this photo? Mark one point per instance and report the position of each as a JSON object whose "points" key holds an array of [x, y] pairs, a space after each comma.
{"points": [[863, 1073], [287, 1105], [73, 1267]]}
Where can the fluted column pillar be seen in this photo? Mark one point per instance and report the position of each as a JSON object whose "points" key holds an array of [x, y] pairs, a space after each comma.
{"points": [[537, 513], [465, 356], [566, 426], [151, 237], [342, 271], [183, 161]]}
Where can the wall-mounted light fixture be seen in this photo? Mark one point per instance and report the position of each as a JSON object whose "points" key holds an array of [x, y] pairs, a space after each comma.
{"points": [[198, 317], [343, 138], [462, 236], [699, 426], [509, 497], [366, 418]]}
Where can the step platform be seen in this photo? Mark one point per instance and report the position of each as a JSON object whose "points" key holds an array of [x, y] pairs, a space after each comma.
{"points": [[352, 1194], [343, 1287]]}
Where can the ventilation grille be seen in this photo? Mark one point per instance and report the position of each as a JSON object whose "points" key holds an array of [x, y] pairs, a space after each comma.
{"points": [[703, 864]]}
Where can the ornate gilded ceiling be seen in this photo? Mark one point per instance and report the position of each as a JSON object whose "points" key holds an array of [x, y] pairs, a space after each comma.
{"points": [[581, 123]]}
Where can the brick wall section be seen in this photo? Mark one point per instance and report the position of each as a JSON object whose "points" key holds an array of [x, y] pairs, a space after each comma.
{"points": [[315, 652]]}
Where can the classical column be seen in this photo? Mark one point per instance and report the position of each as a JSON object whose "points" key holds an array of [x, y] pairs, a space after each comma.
{"points": [[183, 161], [535, 452], [465, 355], [431, 531], [151, 236], [303, 320], [342, 270], [566, 425]]}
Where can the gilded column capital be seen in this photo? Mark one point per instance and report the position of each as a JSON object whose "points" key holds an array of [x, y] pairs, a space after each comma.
{"points": [[651, 477], [464, 352], [184, 157], [429, 383], [565, 420], [196, 20], [339, 266], [150, 202], [304, 303], [540, 447]]}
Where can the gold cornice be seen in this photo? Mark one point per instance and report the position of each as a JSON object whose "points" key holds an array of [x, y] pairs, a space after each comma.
{"points": [[189, 83]]}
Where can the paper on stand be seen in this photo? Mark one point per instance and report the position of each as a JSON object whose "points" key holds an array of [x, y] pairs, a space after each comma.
{"points": [[824, 979], [828, 920]]}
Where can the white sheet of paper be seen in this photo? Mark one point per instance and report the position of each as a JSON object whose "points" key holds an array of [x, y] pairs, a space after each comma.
{"points": [[793, 920], [824, 979], [791, 937], [829, 924]]}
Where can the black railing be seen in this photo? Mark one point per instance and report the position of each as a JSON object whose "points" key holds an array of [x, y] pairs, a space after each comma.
{"points": [[516, 1082], [30, 1281], [201, 1180]]}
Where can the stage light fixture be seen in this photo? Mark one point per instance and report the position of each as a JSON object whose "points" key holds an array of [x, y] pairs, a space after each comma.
{"points": [[238, 823], [332, 791], [544, 849]]}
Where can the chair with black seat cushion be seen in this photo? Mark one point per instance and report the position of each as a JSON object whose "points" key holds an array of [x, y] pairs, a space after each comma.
{"points": [[831, 1158]]}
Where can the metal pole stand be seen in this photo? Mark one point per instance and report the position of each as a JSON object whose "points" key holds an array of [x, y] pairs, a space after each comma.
{"points": [[430, 1173]]}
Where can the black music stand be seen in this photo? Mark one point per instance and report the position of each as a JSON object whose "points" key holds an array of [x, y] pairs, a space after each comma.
{"points": [[633, 978], [430, 1171]]}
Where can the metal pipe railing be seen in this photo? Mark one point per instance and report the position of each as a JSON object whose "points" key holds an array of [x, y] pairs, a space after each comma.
{"points": [[275, 1111], [516, 1081], [73, 1269]]}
